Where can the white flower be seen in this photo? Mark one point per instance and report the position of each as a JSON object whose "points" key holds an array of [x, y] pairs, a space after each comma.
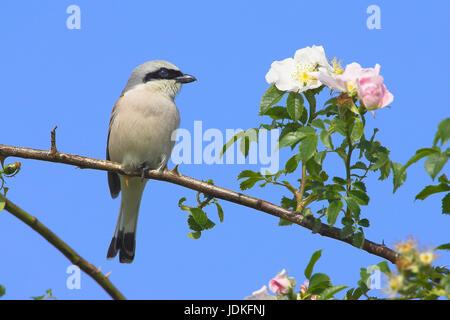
{"points": [[295, 74], [261, 294]]}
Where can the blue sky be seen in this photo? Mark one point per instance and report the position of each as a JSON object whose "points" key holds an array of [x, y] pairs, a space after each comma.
{"points": [[71, 78]]}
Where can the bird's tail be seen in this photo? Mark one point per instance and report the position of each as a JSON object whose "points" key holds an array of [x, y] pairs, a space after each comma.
{"points": [[124, 239]]}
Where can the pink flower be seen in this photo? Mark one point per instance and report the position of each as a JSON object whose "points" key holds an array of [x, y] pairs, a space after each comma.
{"points": [[372, 92], [280, 284]]}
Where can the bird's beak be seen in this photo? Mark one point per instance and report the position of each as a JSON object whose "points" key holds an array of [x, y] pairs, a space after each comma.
{"points": [[185, 78]]}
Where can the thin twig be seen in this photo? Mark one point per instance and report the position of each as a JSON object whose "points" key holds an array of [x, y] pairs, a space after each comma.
{"points": [[63, 247], [204, 187]]}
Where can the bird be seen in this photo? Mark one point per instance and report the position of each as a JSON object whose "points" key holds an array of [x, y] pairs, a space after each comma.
{"points": [[139, 137]]}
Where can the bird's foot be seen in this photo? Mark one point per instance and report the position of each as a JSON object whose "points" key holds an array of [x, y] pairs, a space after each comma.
{"points": [[144, 168]]}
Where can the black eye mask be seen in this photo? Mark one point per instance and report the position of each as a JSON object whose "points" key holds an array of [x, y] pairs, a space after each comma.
{"points": [[162, 73]]}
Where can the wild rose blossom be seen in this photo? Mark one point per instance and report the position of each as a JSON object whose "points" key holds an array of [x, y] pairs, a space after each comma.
{"points": [[261, 294], [365, 82], [280, 284], [295, 74]]}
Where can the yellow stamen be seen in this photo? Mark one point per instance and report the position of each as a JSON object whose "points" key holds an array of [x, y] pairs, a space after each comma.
{"points": [[337, 67]]}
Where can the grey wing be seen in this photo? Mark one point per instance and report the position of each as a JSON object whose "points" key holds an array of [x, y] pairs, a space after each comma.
{"points": [[113, 178]]}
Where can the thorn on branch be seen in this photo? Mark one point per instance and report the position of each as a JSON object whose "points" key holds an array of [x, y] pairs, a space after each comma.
{"points": [[53, 149]]}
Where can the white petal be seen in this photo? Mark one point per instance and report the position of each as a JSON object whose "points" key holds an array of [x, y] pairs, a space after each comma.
{"points": [[280, 74]]}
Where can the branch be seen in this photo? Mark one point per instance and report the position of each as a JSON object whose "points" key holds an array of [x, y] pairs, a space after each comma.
{"points": [[63, 247], [194, 184]]}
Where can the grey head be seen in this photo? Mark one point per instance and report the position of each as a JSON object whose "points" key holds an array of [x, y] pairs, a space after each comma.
{"points": [[159, 73]]}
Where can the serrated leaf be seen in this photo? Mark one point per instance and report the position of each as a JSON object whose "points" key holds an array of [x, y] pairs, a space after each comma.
{"points": [[360, 185], [446, 204], [360, 196], [353, 205], [294, 105], [429, 190], [312, 261], [329, 293], [399, 175], [333, 211], [308, 147], [359, 165], [444, 130], [277, 113], [435, 163], [270, 98], [219, 211], [325, 138], [356, 131], [318, 123], [358, 240], [421, 153], [318, 282], [194, 235], [290, 139], [199, 216], [364, 223], [292, 164]]}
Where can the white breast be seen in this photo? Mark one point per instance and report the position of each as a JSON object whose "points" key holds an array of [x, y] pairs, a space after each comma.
{"points": [[141, 130]]}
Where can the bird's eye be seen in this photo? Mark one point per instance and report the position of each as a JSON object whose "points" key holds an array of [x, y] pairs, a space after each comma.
{"points": [[163, 73]]}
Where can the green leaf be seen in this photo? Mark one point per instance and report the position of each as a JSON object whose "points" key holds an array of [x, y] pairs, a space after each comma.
{"points": [[446, 204], [443, 132], [199, 216], [364, 223], [277, 113], [294, 105], [399, 175], [346, 231], [360, 196], [435, 163], [219, 211], [2, 203], [384, 267], [333, 210], [180, 204], [356, 131], [353, 205], [2, 290], [325, 138], [230, 142], [194, 235], [318, 282], [329, 293], [421, 153], [429, 190], [284, 222], [309, 95], [270, 98], [309, 268], [308, 147], [360, 185], [290, 139], [318, 123], [292, 164], [445, 246], [358, 240], [359, 165]]}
